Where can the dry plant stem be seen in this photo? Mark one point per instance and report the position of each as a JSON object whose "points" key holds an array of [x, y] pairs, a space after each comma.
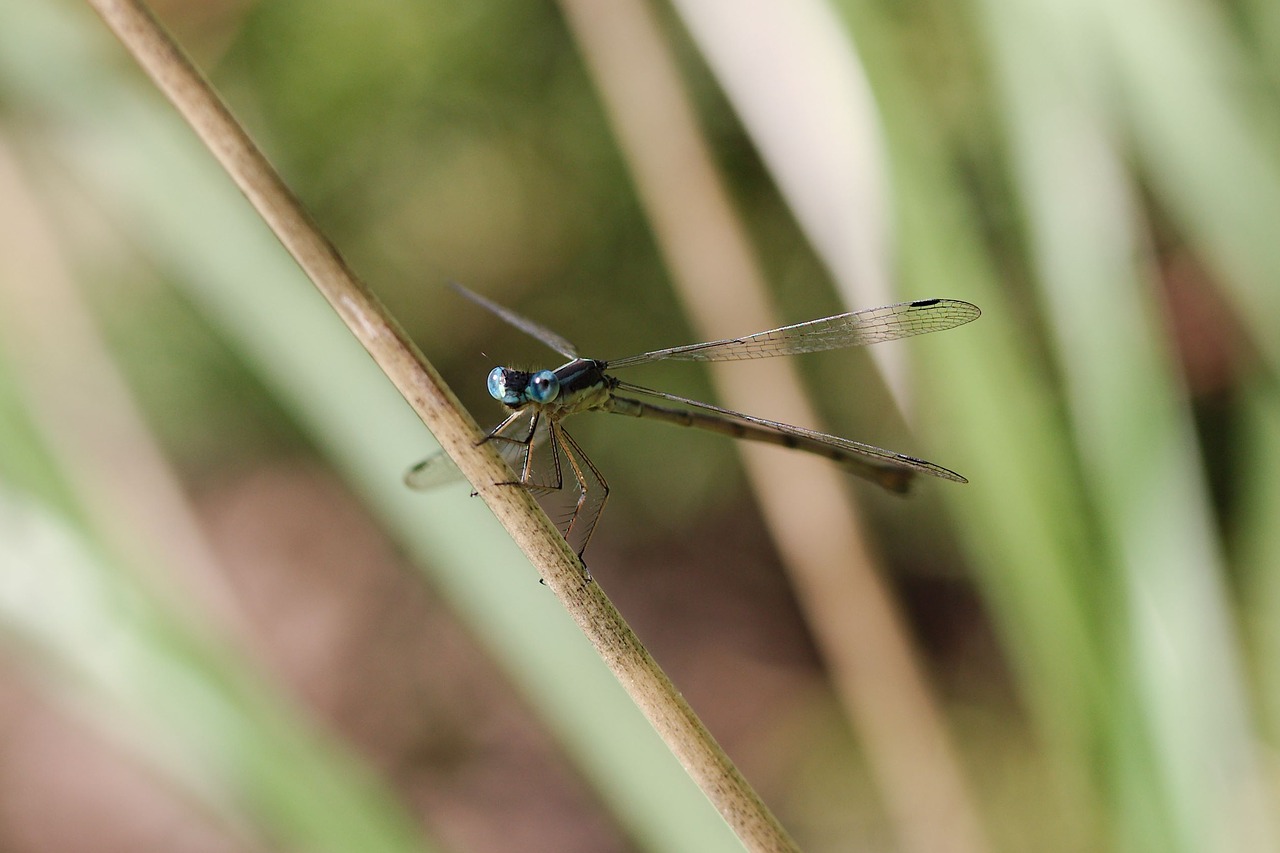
{"points": [[457, 432], [805, 502]]}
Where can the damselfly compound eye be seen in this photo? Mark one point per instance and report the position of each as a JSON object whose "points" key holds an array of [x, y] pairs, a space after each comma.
{"points": [[543, 387], [500, 386]]}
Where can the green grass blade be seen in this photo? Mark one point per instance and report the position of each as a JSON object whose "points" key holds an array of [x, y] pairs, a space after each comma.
{"points": [[126, 663]]}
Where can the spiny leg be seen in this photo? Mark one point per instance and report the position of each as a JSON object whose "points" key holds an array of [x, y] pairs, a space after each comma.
{"points": [[536, 455], [593, 491], [563, 503], [520, 454], [506, 422], [503, 441], [574, 515]]}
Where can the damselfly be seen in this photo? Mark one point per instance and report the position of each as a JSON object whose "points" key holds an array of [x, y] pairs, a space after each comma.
{"points": [[539, 450]]}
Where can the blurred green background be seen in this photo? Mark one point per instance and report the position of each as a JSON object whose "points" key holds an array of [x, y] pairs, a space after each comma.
{"points": [[227, 626]]}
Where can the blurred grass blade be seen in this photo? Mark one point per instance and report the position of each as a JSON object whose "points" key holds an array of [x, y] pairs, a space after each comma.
{"points": [[1256, 543], [1209, 151], [1137, 445], [795, 81], [1022, 516], [171, 198], [856, 625], [1262, 19], [125, 664]]}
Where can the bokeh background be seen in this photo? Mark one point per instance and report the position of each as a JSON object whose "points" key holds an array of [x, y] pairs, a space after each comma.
{"points": [[227, 626]]}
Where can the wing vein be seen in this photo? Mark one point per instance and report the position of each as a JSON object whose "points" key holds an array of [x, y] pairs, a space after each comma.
{"points": [[858, 328]]}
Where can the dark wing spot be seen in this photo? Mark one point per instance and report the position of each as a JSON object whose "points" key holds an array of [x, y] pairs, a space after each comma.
{"points": [[925, 303]]}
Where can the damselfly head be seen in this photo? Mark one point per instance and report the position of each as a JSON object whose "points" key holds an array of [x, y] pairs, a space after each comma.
{"points": [[516, 388]]}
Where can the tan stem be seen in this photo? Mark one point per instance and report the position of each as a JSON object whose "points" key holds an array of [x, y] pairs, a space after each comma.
{"points": [[456, 431]]}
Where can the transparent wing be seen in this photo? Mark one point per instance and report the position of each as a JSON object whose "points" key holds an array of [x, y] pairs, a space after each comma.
{"points": [[522, 440], [434, 471], [524, 324], [859, 328]]}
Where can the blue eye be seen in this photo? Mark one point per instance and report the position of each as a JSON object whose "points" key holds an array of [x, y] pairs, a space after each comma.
{"points": [[498, 388], [543, 387]]}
